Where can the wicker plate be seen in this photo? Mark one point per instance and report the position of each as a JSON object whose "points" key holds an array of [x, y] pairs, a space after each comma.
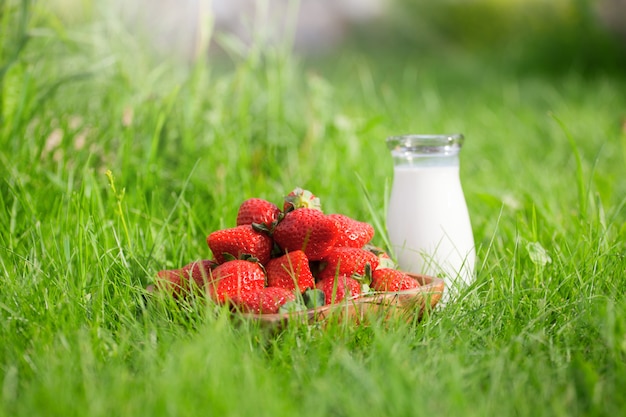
{"points": [[408, 304]]}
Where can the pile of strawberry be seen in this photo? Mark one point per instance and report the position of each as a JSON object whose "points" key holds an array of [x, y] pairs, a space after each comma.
{"points": [[289, 259]]}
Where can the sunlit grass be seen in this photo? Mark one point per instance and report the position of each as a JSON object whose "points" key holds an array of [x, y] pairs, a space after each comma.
{"points": [[541, 332]]}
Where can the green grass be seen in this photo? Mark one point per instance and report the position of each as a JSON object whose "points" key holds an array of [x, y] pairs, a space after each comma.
{"points": [[542, 168]]}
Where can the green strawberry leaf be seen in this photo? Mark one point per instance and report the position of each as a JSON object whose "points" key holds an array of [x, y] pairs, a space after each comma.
{"points": [[384, 259], [314, 298], [248, 257], [387, 263], [261, 228], [368, 274], [229, 257], [374, 249], [366, 279], [277, 251], [292, 307]]}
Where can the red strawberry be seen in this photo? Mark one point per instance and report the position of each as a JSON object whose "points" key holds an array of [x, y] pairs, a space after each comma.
{"points": [[384, 260], [234, 278], [300, 198], [172, 282], [387, 279], [180, 282], [351, 232], [308, 230], [347, 261], [263, 301], [257, 210], [336, 289], [238, 241], [290, 271], [199, 271]]}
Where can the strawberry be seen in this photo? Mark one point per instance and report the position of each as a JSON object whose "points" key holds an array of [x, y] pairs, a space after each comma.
{"points": [[338, 288], [384, 260], [308, 230], [351, 232], [299, 198], [179, 282], [347, 261], [267, 300], [388, 279], [199, 271], [172, 282], [290, 271], [257, 210], [234, 278], [239, 241]]}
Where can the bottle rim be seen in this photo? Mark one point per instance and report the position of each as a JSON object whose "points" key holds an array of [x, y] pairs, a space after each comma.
{"points": [[443, 144]]}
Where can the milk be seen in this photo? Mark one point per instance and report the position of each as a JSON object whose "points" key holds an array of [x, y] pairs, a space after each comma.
{"points": [[427, 219]]}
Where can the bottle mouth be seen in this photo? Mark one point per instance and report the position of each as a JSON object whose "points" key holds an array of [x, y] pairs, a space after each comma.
{"points": [[435, 145]]}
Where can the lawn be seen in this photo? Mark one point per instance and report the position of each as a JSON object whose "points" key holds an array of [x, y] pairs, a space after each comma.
{"points": [[115, 164]]}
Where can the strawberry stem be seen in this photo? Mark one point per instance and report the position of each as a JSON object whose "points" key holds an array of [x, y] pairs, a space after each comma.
{"points": [[300, 198]]}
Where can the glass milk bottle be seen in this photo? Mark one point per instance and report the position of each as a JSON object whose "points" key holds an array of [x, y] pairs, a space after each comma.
{"points": [[427, 219]]}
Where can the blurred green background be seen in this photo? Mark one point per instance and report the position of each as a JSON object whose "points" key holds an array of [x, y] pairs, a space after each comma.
{"points": [[541, 34], [535, 35]]}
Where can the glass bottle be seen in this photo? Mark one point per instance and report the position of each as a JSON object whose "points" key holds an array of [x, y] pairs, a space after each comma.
{"points": [[427, 218]]}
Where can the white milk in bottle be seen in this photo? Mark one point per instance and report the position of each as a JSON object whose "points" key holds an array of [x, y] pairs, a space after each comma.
{"points": [[427, 219]]}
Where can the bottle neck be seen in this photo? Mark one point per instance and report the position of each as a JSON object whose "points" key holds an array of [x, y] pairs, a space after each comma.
{"points": [[425, 150]]}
